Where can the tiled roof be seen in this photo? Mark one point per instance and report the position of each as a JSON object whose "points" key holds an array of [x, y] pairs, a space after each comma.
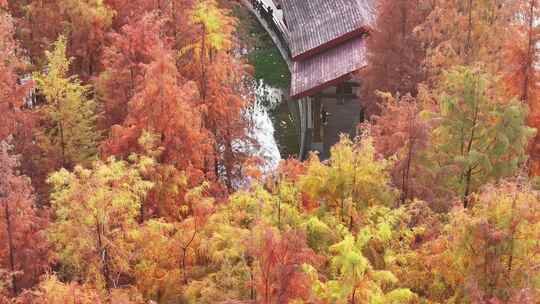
{"points": [[327, 68], [316, 25]]}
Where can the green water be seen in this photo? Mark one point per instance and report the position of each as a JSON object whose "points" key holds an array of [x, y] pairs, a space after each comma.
{"points": [[270, 68]]}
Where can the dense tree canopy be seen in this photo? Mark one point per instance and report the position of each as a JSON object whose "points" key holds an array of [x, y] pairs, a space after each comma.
{"points": [[124, 177]]}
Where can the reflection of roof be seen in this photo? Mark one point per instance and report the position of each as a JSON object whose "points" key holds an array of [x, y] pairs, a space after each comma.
{"points": [[327, 68], [326, 41], [315, 25]]}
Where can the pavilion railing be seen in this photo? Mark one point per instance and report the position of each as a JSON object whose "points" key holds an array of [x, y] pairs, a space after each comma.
{"points": [[277, 26]]}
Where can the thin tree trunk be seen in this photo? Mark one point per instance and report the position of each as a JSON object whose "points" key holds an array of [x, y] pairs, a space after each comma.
{"points": [[90, 61], [105, 268], [406, 173], [267, 291], [11, 248], [229, 162], [279, 213], [141, 213], [468, 43], [467, 188], [203, 64], [131, 84], [343, 210], [525, 95], [61, 130], [62, 143], [512, 236], [184, 255], [404, 18], [468, 175], [175, 29], [251, 287]]}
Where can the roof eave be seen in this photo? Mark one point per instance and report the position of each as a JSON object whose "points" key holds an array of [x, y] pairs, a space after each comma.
{"points": [[331, 44], [325, 85]]}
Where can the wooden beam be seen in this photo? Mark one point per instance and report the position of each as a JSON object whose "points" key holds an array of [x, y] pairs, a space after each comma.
{"points": [[330, 95]]}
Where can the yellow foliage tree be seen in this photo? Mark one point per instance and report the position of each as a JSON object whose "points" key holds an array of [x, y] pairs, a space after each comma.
{"points": [[70, 133], [95, 210], [353, 180]]}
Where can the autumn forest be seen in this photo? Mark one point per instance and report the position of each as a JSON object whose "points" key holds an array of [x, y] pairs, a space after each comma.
{"points": [[124, 176]]}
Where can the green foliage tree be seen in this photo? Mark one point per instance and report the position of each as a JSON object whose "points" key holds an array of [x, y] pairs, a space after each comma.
{"points": [[95, 210], [70, 133], [481, 136]]}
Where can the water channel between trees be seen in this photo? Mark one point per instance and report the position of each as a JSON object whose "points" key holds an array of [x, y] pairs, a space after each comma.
{"points": [[274, 125]]}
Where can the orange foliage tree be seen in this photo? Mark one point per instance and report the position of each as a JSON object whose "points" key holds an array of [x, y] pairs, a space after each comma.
{"points": [[466, 32]]}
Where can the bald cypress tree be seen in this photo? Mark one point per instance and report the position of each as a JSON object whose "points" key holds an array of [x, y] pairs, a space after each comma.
{"points": [[70, 135], [395, 53], [481, 135]]}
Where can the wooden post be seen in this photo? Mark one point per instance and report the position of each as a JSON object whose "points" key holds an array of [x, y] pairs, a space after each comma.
{"points": [[317, 123]]}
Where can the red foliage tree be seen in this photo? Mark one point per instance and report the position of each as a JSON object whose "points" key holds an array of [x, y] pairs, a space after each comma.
{"points": [[207, 59], [12, 94], [16, 120], [124, 61], [399, 131], [84, 22], [165, 106], [280, 257], [223, 116], [88, 23], [20, 226], [174, 12], [520, 73], [39, 24], [395, 54]]}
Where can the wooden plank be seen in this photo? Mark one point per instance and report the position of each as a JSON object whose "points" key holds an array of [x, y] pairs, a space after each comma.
{"points": [[316, 25]]}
